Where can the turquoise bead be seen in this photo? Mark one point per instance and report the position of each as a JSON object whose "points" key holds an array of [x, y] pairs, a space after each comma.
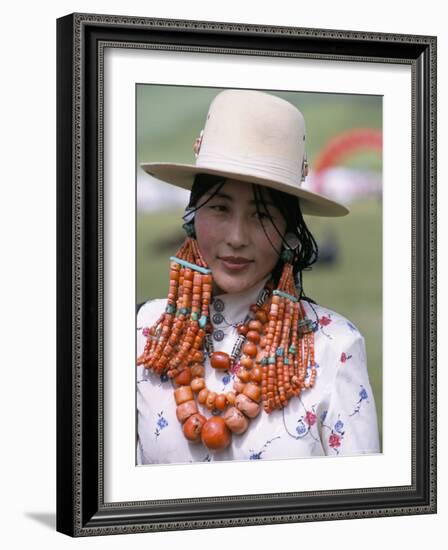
{"points": [[279, 352], [203, 321], [271, 361]]}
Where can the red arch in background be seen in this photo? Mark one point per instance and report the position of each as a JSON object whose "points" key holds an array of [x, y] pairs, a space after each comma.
{"points": [[341, 146]]}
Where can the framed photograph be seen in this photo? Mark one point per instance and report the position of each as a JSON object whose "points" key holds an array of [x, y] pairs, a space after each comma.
{"points": [[274, 380]]}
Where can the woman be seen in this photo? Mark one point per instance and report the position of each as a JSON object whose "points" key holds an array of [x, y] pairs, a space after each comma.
{"points": [[237, 363]]}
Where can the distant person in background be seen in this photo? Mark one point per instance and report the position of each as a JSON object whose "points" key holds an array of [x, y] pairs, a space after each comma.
{"points": [[237, 363]]}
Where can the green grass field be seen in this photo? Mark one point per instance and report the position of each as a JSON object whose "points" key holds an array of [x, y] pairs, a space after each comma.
{"points": [[352, 285]]}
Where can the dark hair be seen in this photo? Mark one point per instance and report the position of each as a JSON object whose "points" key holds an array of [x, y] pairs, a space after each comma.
{"points": [[307, 251]]}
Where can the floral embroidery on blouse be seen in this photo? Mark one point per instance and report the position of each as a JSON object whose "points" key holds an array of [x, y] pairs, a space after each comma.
{"points": [[344, 357], [336, 434], [305, 423], [257, 455], [161, 423], [229, 375], [324, 320], [310, 418], [363, 396]]}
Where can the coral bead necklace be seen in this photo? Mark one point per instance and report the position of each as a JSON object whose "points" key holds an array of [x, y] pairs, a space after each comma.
{"points": [[273, 356]]}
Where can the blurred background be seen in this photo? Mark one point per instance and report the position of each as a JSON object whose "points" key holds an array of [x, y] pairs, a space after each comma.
{"points": [[344, 150]]}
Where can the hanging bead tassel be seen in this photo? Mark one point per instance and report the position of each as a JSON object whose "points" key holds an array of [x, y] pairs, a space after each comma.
{"points": [[177, 336], [288, 345]]}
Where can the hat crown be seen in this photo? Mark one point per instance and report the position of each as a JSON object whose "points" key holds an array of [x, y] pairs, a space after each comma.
{"points": [[254, 137], [257, 133]]}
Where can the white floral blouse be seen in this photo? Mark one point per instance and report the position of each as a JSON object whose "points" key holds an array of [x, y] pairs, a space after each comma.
{"points": [[335, 417]]}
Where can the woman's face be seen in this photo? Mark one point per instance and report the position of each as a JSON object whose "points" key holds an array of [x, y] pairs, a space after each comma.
{"points": [[231, 238]]}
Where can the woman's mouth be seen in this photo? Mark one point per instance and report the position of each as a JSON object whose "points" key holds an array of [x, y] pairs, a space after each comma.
{"points": [[235, 263]]}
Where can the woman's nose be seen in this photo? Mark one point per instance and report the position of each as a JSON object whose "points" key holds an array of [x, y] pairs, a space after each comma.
{"points": [[237, 234]]}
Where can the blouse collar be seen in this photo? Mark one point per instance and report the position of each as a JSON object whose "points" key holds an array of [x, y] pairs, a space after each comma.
{"points": [[234, 307]]}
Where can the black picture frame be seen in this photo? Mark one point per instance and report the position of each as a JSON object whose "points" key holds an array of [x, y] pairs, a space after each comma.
{"points": [[81, 509]]}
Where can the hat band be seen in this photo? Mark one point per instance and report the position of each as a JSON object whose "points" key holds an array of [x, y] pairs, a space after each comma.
{"points": [[283, 171]]}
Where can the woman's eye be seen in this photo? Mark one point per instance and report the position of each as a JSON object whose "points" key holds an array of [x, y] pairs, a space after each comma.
{"points": [[261, 215], [218, 208]]}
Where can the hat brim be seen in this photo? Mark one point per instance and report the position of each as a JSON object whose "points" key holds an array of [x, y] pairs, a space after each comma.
{"points": [[182, 175]]}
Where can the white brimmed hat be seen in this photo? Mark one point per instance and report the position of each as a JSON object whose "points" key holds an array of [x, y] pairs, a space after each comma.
{"points": [[255, 137]]}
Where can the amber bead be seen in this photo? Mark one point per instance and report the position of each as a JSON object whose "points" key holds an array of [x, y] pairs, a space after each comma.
{"points": [[253, 336], [243, 375], [202, 396], [252, 391], [220, 360], [246, 362], [247, 406], [197, 384], [242, 329], [235, 420], [183, 378], [210, 401], [231, 396], [261, 316], [197, 370], [220, 402], [250, 349], [182, 394], [238, 386], [193, 426], [215, 434], [185, 410], [256, 374], [256, 325]]}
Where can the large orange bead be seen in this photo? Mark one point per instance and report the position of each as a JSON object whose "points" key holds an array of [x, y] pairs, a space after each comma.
{"points": [[256, 324], [202, 396], [247, 406], [210, 401], [197, 370], [253, 336], [215, 435], [261, 316], [182, 394], [235, 420], [220, 360], [243, 375], [246, 362], [185, 410], [193, 426], [197, 384], [183, 378], [220, 401], [250, 349], [253, 391], [256, 374]]}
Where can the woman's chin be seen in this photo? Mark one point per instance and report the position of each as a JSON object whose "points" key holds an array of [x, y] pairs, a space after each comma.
{"points": [[225, 284]]}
